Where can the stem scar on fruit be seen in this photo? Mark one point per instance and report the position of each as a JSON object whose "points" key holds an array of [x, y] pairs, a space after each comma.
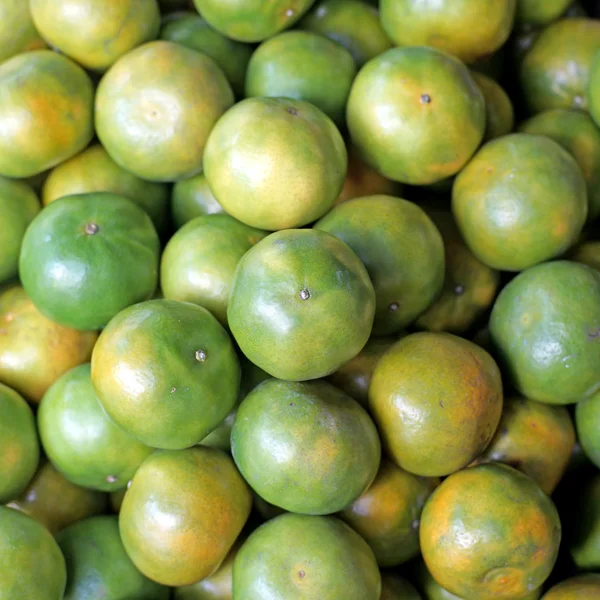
{"points": [[200, 355], [92, 228], [304, 294]]}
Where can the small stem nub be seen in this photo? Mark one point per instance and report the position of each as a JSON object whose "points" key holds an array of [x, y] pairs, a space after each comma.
{"points": [[425, 98], [393, 307], [304, 294], [92, 228], [459, 290], [111, 479], [200, 355], [292, 110]]}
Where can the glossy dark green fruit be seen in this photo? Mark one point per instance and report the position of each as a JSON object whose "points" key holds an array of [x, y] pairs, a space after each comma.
{"points": [[98, 566], [199, 261], [166, 372], [19, 446], [192, 198], [301, 305], [305, 447], [80, 439], [402, 250], [298, 557], [32, 566], [86, 257], [545, 326], [587, 420]]}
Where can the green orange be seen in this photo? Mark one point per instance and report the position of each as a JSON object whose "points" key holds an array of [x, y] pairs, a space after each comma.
{"points": [[80, 440], [306, 66], [593, 89], [182, 514], [275, 163], [56, 502], [535, 438], [218, 586], [191, 30], [402, 250], [17, 31], [468, 30], [199, 261], [34, 351], [98, 566], [155, 108], [555, 73], [354, 377], [397, 588], [96, 34], [166, 372], [534, 12], [306, 447], [192, 198], [545, 326], [400, 102], [19, 204], [95, 171], [436, 399], [587, 253], [520, 201], [19, 446], [577, 133], [310, 558], [32, 565], [587, 419], [490, 531], [469, 286], [584, 533], [387, 514], [500, 117], [48, 101], [579, 587], [301, 304], [251, 20], [86, 257]]}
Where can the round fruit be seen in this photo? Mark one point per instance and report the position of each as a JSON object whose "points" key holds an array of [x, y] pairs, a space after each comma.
{"points": [[469, 286], [19, 447], [17, 31], [363, 180], [192, 198], [534, 12], [306, 66], [587, 419], [354, 377], [305, 447], [490, 531], [56, 502], [584, 539], [537, 439], [545, 326], [500, 117], [301, 304], [34, 351], [587, 253], [397, 588], [466, 29], [156, 107], [218, 586], [96, 33], [81, 441], [436, 399], [193, 31], [19, 204], [275, 163], [98, 566], [555, 72], [182, 514], [251, 20], [32, 565], [520, 201], [400, 102], [199, 261], [577, 133], [310, 558], [351, 23], [95, 171], [402, 250], [387, 514], [580, 587], [86, 257], [166, 372], [48, 101]]}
